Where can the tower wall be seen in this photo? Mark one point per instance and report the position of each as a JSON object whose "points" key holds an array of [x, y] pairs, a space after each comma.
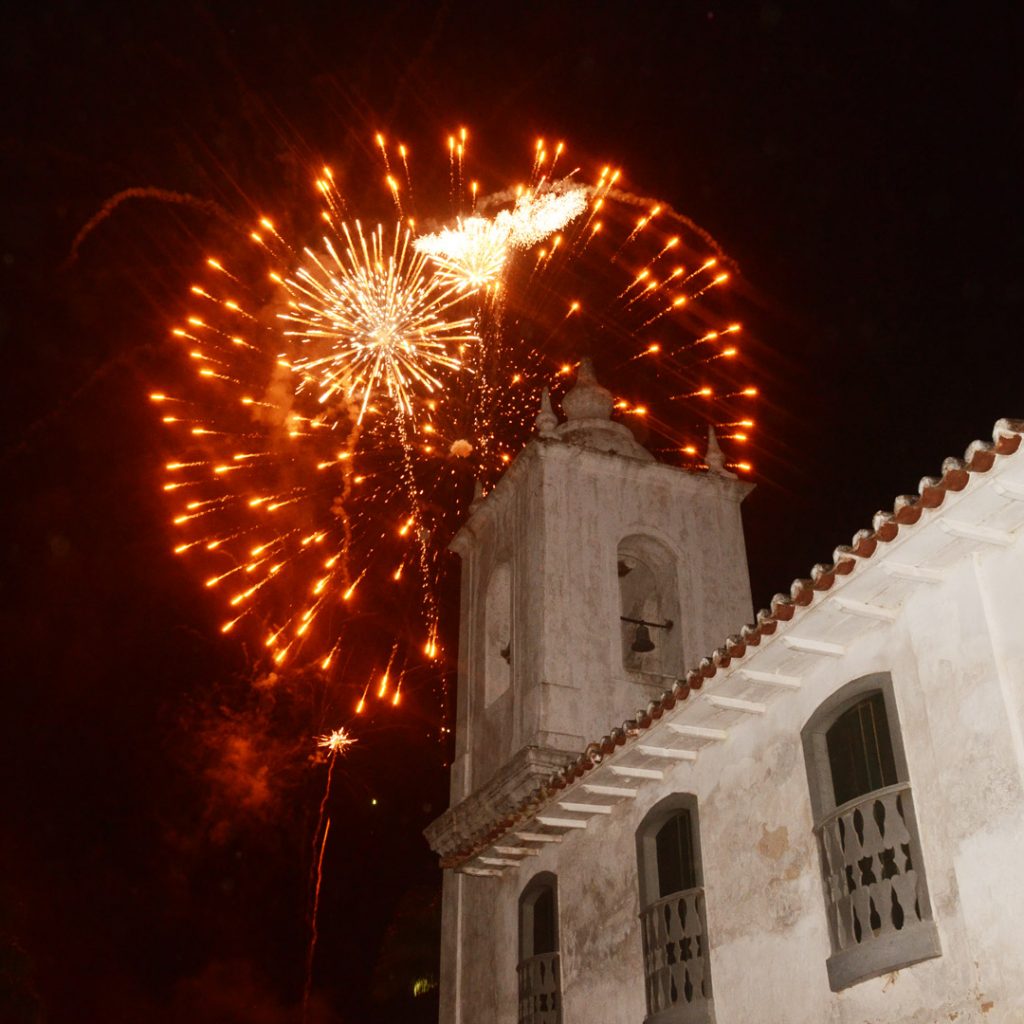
{"points": [[552, 527]]}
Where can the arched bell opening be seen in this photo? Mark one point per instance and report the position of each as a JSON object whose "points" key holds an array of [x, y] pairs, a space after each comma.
{"points": [[650, 631]]}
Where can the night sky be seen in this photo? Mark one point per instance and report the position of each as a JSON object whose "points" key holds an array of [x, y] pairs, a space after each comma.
{"points": [[862, 168]]}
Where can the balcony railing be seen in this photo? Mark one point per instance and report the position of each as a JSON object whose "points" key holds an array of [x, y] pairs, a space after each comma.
{"points": [[540, 993], [875, 893], [676, 958]]}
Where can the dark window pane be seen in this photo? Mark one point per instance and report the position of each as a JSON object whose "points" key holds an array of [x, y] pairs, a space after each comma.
{"points": [[860, 750], [677, 868], [544, 923]]}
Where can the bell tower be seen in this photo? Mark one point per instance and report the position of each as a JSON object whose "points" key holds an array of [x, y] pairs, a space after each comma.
{"points": [[592, 577]]}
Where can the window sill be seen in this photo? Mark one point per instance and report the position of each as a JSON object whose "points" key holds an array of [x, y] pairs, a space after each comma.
{"points": [[890, 952]]}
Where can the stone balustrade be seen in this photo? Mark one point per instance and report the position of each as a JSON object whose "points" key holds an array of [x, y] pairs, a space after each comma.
{"points": [[540, 994], [875, 894], [676, 958]]}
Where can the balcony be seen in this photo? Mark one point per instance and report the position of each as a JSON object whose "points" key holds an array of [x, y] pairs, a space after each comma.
{"points": [[676, 959], [875, 892], [540, 994]]}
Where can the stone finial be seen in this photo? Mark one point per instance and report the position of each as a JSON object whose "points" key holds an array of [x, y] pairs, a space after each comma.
{"points": [[587, 400], [546, 420], [714, 456], [588, 419]]}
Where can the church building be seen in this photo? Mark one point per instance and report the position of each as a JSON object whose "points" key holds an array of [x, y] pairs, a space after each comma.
{"points": [[667, 810]]}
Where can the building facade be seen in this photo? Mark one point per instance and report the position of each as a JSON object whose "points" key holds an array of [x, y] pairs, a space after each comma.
{"points": [[822, 819]]}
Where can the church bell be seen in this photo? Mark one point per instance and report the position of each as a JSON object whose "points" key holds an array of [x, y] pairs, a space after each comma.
{"points": [[642, 642]]}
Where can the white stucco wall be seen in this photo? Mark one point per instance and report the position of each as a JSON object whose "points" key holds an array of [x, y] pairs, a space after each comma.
{"points": [[956, 656]]}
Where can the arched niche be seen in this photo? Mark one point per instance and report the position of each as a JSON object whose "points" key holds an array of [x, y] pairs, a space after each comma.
{"points": [[539, 970], [648, 584], [538, 916], [498, 632]]}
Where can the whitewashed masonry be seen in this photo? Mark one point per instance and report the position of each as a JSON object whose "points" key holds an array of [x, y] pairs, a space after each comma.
{"points": [[906, 904]]}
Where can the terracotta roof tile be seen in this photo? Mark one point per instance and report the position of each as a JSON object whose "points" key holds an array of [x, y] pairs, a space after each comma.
{"points": [[885, 527]]}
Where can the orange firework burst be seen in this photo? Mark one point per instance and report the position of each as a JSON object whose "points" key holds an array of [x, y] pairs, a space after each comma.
{"points": [[349, 391]]}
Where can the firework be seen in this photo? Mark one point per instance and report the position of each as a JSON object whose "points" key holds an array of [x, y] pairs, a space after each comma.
{"points": [[472, 255], [336, 742], [377, 323], [349, 394]]}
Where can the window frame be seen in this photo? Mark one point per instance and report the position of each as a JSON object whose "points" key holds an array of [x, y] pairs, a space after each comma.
{"points": [[701, 1011], [919, 940], [647, 847], [541, 883], [815, 744]]}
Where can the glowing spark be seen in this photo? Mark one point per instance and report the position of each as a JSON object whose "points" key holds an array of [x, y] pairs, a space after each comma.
{"points": [[337, 741]]}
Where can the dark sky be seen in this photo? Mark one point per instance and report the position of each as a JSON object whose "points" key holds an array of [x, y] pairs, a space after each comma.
{"points": [[860, 162]]}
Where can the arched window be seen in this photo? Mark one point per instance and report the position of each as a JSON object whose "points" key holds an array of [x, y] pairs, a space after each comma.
{"points": [[649, 606], [860, 756], [875, 891], [540, 993], [674, 927], [498, 633]]}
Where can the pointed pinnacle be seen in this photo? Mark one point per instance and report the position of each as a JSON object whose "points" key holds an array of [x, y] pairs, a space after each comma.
{"points": [[714, 456], [546, 420]]}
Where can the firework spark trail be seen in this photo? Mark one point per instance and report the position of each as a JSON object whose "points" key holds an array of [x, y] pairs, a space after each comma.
{"points": [[338, 505], [409, 476], [161, 194], [314, 933], [630, 199], [336, 743]]}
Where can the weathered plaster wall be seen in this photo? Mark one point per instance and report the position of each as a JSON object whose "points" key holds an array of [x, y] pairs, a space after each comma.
{"points": [[955, 654], [557, 519]]}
